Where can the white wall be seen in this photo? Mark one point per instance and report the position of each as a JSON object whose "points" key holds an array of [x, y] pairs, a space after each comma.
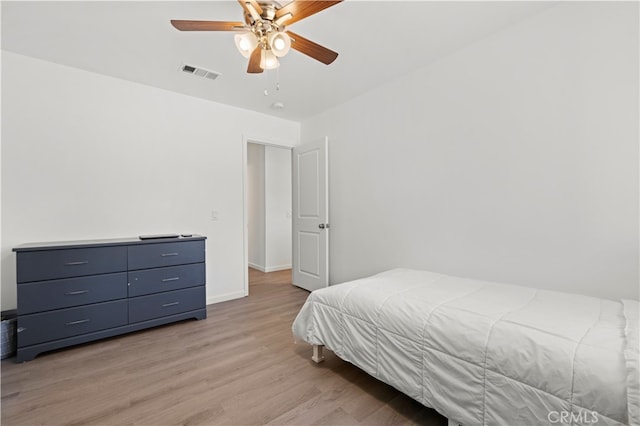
{"points": [[514, 159], [269, 207], [255, 205], [278, 208], [87, 156]]}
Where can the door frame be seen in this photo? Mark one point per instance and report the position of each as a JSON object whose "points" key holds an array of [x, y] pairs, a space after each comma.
{"points": [[245, 215]]}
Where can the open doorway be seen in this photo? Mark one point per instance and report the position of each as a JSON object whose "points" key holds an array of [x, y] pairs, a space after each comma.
{"points": [[268, 211]]}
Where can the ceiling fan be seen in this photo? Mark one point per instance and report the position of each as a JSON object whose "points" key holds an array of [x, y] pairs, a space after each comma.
{"points": [[263, 36]]}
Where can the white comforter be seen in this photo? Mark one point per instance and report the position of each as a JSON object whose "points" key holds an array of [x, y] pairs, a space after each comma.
{"points": [[482, 353]]}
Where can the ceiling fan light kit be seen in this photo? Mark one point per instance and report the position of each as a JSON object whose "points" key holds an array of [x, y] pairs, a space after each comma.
{"points": [[268, 60], [279, 42], [263, 37], [246, 43]]}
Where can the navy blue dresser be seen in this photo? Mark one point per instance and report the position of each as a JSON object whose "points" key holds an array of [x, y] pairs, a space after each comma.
{"points": [[76, 292]]}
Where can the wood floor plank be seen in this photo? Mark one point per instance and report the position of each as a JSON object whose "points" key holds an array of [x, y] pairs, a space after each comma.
{"points": [[240, 366]]}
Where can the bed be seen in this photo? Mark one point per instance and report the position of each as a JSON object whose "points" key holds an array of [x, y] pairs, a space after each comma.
{"points": [[483, 353]]}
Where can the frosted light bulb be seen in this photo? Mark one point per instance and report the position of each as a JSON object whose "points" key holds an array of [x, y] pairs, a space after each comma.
{"points": [[279, 44], [268, 61], [244, 45]]}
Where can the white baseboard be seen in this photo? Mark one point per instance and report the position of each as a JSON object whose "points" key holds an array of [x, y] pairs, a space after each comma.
{"points": [[258, 267], [277, 268], [269, 268], [225, 297]]}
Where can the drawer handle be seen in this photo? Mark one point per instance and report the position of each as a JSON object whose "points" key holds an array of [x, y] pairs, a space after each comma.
{"points": [[78, 322], [170, 304], [84, 262], [170, 279], [71, 293], [169, 254]]}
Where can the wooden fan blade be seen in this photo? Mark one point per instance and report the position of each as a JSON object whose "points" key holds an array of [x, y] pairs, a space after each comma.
{"points": [[301, 9], [254, 61], [207, 25], [312, 49], [254, 3]]}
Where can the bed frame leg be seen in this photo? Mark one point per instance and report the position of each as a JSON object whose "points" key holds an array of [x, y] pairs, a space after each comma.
{"points": [[452, 423], [317, 356]]}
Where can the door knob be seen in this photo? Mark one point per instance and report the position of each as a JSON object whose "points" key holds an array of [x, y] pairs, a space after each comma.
{"points": [[323, 226]]}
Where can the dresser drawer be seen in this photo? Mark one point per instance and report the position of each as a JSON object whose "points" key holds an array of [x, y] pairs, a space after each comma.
{"points": [[142, 256], [48, 326], [65, 263], [170, 278], [162, 304], [56, 294]]}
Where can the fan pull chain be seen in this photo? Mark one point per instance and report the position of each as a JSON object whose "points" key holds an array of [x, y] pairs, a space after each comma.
{"points": [[266, 90], [277, 105]]}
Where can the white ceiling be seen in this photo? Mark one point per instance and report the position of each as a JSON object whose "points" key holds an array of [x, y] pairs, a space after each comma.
{"points": [[377, 41]]}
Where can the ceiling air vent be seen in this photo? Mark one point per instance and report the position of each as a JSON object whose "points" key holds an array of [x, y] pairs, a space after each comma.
{"points": [[200, 72]]}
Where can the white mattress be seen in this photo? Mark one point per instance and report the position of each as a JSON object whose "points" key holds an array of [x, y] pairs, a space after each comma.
{"points": [[483, 353]]}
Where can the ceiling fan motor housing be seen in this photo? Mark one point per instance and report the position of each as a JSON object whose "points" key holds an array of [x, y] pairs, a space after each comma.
{"points": [[268, 11]]}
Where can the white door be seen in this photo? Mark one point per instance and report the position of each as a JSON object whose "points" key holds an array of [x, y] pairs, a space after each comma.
{"points": [[310, 216]]}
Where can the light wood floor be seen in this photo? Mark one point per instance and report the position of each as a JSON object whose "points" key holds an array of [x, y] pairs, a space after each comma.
{"points": [[240, 366]]}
